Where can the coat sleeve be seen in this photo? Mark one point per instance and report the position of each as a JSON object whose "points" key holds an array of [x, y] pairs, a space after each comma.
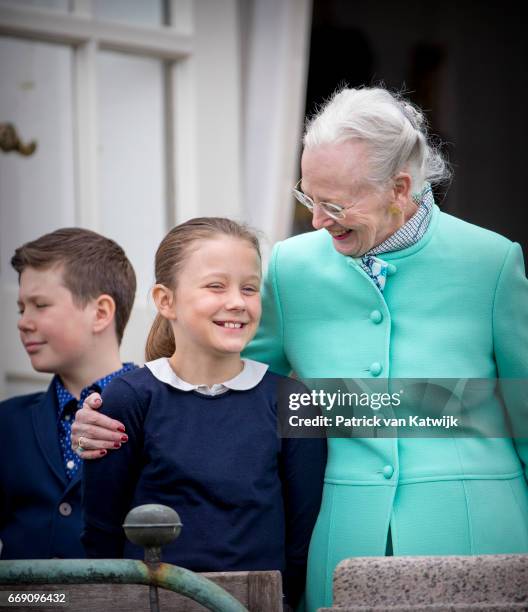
{"points": [[109, 483], [510, 337], [268, 344], [302, 467]]}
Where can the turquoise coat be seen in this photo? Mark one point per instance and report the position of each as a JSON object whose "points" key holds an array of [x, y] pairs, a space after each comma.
{"points": [[455, 305]]}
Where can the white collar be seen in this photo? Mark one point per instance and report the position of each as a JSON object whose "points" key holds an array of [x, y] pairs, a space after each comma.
{"points": [[252, 373]]}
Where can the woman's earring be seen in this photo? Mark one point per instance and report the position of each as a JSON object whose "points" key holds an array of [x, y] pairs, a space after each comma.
{"points": [[394, 209]]}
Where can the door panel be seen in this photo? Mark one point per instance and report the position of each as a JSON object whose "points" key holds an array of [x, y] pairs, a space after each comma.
{"points": [[131, 158], [36, 192]]}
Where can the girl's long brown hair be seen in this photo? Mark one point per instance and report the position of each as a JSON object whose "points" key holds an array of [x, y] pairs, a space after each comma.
{"points": [[170, 258]]}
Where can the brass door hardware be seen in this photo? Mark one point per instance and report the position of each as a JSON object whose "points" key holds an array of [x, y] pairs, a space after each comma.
{"points": [[10, 141]]}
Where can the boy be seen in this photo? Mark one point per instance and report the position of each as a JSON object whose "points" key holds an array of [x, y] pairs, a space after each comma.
{"points": [[76, 291]]}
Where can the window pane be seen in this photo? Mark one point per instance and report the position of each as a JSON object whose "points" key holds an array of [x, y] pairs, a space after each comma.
{"points": [[136, 12], [56, 5], [132, 170]]}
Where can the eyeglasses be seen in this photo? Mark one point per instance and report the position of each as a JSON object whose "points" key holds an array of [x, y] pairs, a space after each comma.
{"points": [[335, 211]]}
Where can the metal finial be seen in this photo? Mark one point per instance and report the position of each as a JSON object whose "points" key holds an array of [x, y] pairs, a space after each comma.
{"points": [[151, 526]]}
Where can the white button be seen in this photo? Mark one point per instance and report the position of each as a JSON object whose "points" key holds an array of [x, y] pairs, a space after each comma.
{"points": [[70, 464], [67, 417], [65, 509]]}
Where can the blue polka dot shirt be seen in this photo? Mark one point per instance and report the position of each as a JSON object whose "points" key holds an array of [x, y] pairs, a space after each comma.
{"points": [[68, 406]]}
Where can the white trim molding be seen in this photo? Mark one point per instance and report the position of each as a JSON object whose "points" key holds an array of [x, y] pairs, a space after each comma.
{"points": [[77, 29]]}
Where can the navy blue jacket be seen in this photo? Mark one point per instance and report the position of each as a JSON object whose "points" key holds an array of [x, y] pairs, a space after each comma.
{"points": [[248, 500], [40, 509]]}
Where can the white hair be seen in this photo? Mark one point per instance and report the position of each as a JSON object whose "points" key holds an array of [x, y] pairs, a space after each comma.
{"points": [[394, 130]]}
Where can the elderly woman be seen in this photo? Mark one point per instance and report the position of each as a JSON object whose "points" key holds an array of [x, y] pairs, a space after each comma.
{"points": [[389, 286]]}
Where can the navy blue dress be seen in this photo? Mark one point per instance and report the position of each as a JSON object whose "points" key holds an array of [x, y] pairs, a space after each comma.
{"points": [[248, 500]]}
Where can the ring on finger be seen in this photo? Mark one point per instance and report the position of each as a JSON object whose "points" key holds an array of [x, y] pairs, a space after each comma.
{"points": [[80, 446]]}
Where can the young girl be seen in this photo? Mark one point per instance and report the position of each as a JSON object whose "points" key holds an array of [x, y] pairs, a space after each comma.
{"points": [[202, 423]]}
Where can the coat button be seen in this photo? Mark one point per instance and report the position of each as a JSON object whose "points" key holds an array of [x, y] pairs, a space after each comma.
{"points": [[376, 368], [376, 316], [65, 509], [391, 269], [388, 471]]}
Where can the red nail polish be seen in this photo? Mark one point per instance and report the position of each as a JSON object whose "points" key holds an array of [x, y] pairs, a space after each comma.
{"points": [[117, 444], [121, 428], [124, 438], [102, 452]]}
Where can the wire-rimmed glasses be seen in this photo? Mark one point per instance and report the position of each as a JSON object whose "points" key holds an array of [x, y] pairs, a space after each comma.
{"points": [[335, 211]]}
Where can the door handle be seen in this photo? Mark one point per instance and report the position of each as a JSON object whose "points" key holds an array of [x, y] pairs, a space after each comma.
{"points": [[10, 141]]}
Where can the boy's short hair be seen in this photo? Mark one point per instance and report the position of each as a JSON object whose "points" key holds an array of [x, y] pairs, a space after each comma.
{"points": [[92, 265]]}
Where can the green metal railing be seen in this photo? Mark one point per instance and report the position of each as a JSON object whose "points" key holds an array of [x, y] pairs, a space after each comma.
{"points": [[120, 571], [150, 526]]}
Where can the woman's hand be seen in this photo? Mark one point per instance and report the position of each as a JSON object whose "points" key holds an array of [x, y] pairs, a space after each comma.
{"points": [[93, 433]]}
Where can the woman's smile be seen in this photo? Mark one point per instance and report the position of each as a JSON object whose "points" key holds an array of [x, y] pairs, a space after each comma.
{"points": [[340, 234]]}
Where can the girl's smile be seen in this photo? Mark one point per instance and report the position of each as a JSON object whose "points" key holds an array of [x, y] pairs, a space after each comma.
{"points": [[230, 324]]}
